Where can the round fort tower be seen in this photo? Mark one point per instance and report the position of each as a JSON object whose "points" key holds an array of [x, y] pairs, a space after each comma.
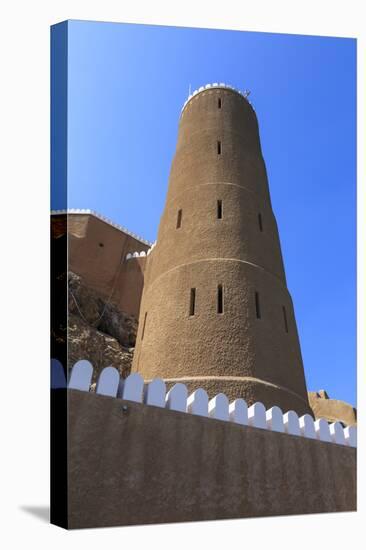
{"points": [[216, 312]]}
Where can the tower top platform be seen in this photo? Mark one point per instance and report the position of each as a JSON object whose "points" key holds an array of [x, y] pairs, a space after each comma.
{"points": [[215, 85]]}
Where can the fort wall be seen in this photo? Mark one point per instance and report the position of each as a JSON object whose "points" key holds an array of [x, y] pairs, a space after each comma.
{"points": [[139, 455], [132, 463], [97, 251]]}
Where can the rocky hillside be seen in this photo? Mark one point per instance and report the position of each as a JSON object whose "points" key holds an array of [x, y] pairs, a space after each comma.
{"points": [[97, 330]]}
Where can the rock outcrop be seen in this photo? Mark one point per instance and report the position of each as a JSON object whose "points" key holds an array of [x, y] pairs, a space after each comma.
{"points": [[98, 330], [332, 410]]}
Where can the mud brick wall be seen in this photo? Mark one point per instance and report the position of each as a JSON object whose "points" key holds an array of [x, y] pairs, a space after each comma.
{"points": [[148, 465]]}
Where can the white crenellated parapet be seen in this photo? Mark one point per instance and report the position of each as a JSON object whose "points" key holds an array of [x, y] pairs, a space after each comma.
{"points": [[257, 416], [197, 403], [218, 407], [244, 93], [141, 254], [81, 375], [108, 382], [274, 419], [176, 399], [238, 412], [87, 211]]}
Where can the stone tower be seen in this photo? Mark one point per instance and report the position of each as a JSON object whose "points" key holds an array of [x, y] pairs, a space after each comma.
{"points": [[216, 312]]}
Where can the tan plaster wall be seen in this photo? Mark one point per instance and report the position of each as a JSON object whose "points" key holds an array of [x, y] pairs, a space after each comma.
{"points": [[104, 268], [151, 465], [233, 344]]}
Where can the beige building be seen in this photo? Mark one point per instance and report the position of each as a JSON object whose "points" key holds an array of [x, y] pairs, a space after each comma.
{"points": [[97, 248]]}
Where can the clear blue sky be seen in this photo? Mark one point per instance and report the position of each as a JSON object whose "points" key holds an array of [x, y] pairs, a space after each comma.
{"points": [[127, 84]]}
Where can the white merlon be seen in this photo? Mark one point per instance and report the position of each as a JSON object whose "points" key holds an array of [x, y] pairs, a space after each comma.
{"points": [[307, 427], [274, 419], [322, 430], [337, 433], [141, 254], [218, 407], [132, 388], [257, 416], [108, 382], [81, 375], [350, 434], [244, 94], [155, 392], [197, 403], [238, 412], [102, 218], [58, 378], [291, 423], [176, 399]]}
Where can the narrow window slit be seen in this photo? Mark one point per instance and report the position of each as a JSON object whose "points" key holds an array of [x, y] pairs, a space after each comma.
{"points": [[143, 326], [257, 306], [219, 103], [219, 147], [179, 219], [285, 318], [220, 299], [260, 222], [192, 303], [219, 210]]}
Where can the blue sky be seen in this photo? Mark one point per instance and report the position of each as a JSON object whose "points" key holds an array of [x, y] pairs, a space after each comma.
{"points": [[126, 86]]}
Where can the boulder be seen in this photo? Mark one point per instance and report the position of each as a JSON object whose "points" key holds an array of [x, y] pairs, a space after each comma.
{"points": [[100, 314], [98, 331]]}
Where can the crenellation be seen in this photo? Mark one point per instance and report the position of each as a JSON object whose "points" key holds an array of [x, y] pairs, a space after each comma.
{"points": [[100, 217], [153, 393], [216, 86]]}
